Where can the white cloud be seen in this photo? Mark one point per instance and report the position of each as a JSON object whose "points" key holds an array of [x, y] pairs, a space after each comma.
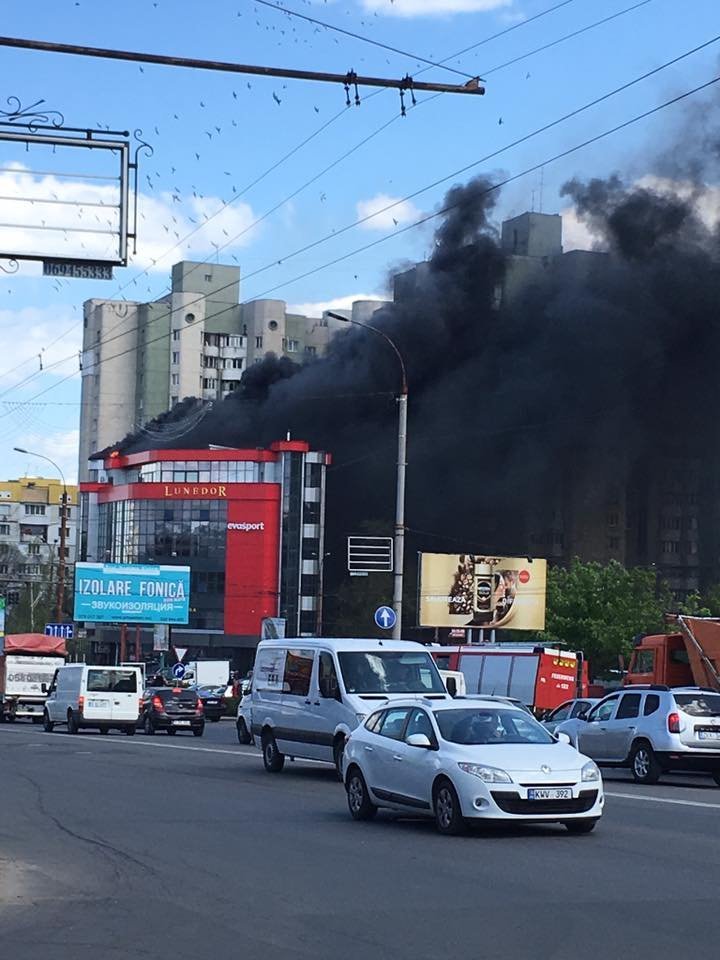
{"points": [[576, 233], [74, 218], [401, 212], [432, 8], [26, 333], [315, 309], [62, 446]]}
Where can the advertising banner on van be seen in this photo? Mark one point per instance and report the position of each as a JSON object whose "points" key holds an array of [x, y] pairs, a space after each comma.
{"points": [[131, 593], [466, 590]]}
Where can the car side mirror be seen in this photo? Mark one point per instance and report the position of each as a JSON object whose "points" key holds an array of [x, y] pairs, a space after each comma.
{"points": [[451, 686], [421, 740], [44, 687], [562, 737]]}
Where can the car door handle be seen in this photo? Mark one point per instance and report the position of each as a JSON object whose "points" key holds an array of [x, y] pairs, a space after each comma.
{"points": [[368, 749], [396, 757]]}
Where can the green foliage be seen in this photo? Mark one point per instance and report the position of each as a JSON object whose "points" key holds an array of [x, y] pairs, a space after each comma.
{"points": [[599, 608]]}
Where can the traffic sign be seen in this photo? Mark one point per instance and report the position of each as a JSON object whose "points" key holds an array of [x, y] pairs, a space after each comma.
{"points": [[180, 653], [64, 630], [178, 671], [369, 555], [385, 618]]}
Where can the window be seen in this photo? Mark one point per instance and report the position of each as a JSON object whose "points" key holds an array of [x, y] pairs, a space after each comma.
{"points": [[273, 325], [209, 383], [298, 668], [237, 363], [629, 706], [176, 335], [670, 546], [293, 346], [189, 318], [175, 379], [581, 706], [33, 549], [4, 529], [237, 343], [644, 661], [613, 543], [562, 713], [389, 672], [31, 569], [373, 721], [35, 509], [176, 356], [112, 681], [258, 343], [208, 278], [420, 722], [68, 511], [671, 523], [488, 726], [327, 677], [652, 704], [699, 704], [210, 362], [604, 710], [393, 723], [311, 351]]}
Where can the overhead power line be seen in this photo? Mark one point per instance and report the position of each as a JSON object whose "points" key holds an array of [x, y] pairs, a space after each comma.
{"points": [[349, 79], [356, 36], [446, 209]]}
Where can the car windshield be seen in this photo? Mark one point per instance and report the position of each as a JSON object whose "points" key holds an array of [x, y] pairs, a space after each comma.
{"points": [[490, 726], [390, 672], [699, 704]]}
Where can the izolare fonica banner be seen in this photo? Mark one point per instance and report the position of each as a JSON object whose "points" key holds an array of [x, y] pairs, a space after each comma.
{"points": [[131, 593]]}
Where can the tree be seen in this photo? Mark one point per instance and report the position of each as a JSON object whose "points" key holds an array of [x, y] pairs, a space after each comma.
{"points": [[599, 608]]}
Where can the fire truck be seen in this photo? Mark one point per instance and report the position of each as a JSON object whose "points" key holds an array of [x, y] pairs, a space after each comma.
{"points": [[541, 676]]}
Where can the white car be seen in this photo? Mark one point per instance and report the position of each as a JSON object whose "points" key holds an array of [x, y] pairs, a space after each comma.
{"points": [[468, 760]]}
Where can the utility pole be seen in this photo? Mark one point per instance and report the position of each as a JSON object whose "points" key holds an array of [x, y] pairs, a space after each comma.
{"points": [[399, 535], [347, 80], [60, 590]]}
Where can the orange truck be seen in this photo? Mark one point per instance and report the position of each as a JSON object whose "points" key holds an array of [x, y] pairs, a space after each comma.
{"points": [[543, 677], [690, 657]]}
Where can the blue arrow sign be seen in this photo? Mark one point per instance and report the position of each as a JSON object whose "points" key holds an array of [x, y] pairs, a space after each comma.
{"points": [[178, 671], [385, 618]]}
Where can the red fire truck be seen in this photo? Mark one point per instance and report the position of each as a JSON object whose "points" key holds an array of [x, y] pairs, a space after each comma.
{"points": [[542, 677]]}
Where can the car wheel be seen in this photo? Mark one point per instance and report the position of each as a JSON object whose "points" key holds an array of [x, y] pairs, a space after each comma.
{"points": [[448, 814], [198, 731], [72, 726], [148, 726], [171, 731], [37, 720], [48, 725], [360, 805], [130, 730], [580, 826], [242, 732], [104, 730], [338, 754], [716, 777], [272, 758], [644, 765]]}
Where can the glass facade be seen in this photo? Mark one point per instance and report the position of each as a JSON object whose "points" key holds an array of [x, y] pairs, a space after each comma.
{"points": [[209, 471], [184, 532]]}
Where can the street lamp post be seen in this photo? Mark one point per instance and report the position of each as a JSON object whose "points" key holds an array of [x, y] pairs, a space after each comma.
{"points": [[399, 539], [60, 592]]}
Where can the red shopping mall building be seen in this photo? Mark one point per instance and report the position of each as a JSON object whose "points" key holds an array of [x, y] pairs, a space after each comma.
{"points": [[249, 524]]}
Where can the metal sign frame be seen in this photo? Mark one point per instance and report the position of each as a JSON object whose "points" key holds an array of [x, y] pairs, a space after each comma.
{"points": [[369, 555]]}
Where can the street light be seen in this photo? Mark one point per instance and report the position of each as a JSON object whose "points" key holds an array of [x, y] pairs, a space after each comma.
{"points": [[60, 593], [399, 544]]}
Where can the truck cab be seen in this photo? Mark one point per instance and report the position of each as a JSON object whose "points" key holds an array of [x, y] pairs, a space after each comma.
{"points": [[662, 658]]}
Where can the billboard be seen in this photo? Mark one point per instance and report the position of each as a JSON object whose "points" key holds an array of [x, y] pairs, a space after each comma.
{"points": [[467, 590], [131, 593]]}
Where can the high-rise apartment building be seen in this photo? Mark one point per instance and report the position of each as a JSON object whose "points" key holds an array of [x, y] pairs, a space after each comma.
{"points": [[140, 359]]}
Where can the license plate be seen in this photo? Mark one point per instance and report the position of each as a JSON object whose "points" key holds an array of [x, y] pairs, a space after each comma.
{"points": [[211, 703], [550, 793], [709, 734], [181, 723], [97, 703]]}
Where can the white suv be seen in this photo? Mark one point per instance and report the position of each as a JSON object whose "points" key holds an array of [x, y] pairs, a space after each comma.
{"points": [[652, 730]]}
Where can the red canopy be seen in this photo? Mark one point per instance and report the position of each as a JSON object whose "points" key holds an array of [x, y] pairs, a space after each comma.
{"points": [[35, 643]]}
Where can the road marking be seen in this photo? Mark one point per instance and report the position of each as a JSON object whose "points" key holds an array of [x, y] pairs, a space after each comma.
{"points": [[646, 799]]}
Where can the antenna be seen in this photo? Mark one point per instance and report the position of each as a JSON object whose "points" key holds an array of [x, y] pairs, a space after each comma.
{"points": [[542, 187]]}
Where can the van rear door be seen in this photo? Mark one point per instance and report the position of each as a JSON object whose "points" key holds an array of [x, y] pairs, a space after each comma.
{"points": [[112, 694]]}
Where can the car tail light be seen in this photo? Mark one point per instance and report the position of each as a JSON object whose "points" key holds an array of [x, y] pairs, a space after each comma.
{"points": [[673, 723], [81, 703], [158, 704], [200, 706]]}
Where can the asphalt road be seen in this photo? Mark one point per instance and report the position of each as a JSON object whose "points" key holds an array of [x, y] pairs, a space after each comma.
{"points": [[112, 847]]}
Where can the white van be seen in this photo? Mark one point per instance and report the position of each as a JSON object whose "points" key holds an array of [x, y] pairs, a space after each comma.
{"points": [[103, 698], [309, 694]]}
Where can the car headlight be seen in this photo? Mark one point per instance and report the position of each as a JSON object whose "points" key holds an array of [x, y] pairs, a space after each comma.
{"points": [[590, 772], [485, 773]]}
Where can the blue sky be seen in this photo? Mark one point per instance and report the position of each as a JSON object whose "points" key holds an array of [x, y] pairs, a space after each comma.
{"points": [[214, 134]]}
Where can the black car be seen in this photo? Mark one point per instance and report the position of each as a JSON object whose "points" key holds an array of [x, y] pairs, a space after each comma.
{"points": [[172, 709], [213, 699]]}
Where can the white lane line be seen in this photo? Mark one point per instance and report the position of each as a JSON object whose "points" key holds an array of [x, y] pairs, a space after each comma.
{"points": [[178, 746], [646, 799]]}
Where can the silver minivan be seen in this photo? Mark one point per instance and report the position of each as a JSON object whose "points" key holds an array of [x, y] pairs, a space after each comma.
{"points": [[309, 694]]}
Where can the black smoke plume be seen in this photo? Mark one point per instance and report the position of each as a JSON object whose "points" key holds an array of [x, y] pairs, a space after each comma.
{"points": [[530, 412]]}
